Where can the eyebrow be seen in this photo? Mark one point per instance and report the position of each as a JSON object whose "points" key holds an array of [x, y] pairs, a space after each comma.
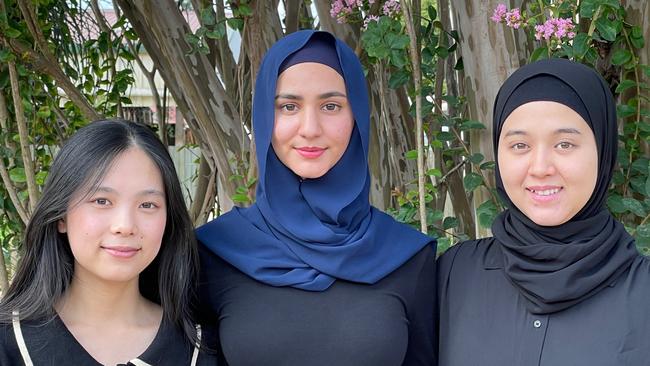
{"points": [[559, 131], [321, 96], [146, 192]]}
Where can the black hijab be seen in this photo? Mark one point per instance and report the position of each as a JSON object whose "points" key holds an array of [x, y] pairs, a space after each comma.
{"points": [[555, 267]]}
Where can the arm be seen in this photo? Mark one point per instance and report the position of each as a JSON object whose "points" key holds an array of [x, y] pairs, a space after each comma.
{"points": [[422, 316]]}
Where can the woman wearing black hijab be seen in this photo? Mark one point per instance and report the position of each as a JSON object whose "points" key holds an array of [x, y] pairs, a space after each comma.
{"points": [[560, 282], [311, 274]]}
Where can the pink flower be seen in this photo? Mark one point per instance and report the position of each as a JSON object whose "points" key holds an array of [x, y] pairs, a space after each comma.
{"points": [[340, 9], [391, 7], [513, 18], [499, 13], [555, 28], [370, 18]]}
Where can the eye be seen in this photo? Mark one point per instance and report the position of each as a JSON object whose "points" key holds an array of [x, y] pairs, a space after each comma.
{"points": [[288, 107], [148, 205], [565, 145], [331, 107], [519, 146], [101, 201]]}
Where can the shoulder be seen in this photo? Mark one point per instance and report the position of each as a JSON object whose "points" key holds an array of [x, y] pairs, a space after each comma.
{"points": [[9, 352], [467, 252], [639, 276]]}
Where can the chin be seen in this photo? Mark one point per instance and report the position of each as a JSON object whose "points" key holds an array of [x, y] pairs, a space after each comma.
{"points": [[310, 173], [547, 219]]}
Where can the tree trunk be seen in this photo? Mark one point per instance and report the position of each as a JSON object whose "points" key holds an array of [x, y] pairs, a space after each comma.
{"points": [[193, 83], [487, 63]]}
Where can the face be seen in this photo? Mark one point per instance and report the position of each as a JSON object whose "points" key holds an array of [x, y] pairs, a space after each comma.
{"points": [[116, 232], [548, 161], [313, 119]]}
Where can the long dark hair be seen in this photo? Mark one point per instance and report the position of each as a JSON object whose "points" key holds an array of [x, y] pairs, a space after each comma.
{"points": [[46, 267]]}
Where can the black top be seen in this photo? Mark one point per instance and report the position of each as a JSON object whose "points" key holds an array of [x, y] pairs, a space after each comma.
{"points": [[52, 343], [389, 323], [484, 320]]}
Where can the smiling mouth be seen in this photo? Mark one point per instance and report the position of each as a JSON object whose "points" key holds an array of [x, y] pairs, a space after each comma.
{"points": [[310, 151], [121, 251], [545, 192]]}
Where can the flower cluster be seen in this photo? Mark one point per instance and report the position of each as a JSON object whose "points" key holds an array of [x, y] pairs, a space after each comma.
{"points": [[391, 7], [557, 28], [512, 18], [552, 29], [342, 10]]}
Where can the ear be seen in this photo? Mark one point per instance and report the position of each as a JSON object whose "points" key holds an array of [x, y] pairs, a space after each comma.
{"points": [[62, 226]]}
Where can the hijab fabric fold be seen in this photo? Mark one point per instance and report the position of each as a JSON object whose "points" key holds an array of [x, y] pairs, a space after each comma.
{"points": [[557, 267], [309, 233]]}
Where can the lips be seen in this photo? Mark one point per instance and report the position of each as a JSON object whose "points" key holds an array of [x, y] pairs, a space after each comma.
{"points": [[310, 152], [121, 251], [544, 193]]}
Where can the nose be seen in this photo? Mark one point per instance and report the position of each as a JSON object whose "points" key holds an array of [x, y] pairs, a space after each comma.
{"points": [[310, 124], [123, 222], [541, 163]]}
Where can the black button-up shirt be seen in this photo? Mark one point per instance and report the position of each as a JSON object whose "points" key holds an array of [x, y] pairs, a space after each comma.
{"points": [[484, 320]]}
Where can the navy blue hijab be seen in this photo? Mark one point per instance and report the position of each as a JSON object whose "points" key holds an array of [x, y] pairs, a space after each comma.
{"points": [[309, 233]]}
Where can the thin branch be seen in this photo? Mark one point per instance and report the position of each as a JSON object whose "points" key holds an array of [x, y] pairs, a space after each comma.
{"points": [[417, 77], [23, 136]]}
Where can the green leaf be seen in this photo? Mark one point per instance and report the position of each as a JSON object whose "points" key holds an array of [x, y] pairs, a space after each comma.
{"points": [[472, 181], [435, 172], [621, 56], [11, 32], [235, 23], [606, 29], [624, 85], [6, 56], [411, 155], [471, 125], [433, 14], [17, 175], [539, 54], [615, 203], [450, 222], [636, 37], [587, 8], [486, 213], [240, 198], [44, 112], [476, 158], [40, 177], [624, 110], [245, 10], [446, 136], [488, 165], [634, 206], [581, 44], [647, 186], [643, 230], [207, 17]]}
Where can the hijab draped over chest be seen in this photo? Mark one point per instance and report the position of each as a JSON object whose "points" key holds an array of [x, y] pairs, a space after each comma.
{"points": [[556, 267], [308, 233]]}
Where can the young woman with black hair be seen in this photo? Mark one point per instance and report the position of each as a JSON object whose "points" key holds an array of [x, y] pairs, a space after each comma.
{"points": [[109, 259]]}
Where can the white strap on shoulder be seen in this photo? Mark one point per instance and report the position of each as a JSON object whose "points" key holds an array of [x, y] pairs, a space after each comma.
{"points": [[195, 355], [20, 340], [138, 362]]}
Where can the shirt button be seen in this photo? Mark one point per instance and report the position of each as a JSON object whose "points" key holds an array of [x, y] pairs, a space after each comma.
{"points": [[537, 323]]}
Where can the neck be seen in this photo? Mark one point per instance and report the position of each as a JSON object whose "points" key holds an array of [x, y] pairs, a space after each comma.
{"points": [[92, 301]]}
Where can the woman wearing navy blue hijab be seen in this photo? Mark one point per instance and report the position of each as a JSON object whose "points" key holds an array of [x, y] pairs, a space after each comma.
{"points": [[312, 274], [560, 282]]}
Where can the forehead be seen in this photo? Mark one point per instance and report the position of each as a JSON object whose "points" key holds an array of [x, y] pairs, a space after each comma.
{"points": [[310, 75], [544, 117]]}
